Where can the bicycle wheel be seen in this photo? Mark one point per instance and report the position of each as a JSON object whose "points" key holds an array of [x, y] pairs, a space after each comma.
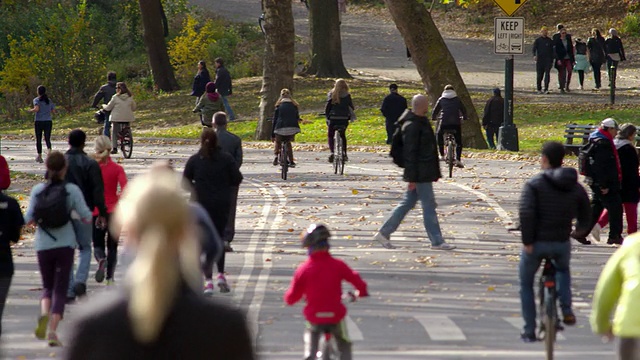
{"points": [[284, 164], [126, 142], [450, 157], [329, 349], [549, 319], [337, 147]]}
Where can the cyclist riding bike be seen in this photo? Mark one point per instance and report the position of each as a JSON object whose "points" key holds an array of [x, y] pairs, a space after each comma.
{"points": [[319, 280], [285, 125], [339, 111], [451, 112]]}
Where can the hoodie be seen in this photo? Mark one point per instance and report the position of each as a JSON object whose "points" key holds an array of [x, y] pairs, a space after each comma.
{"points": [[449, 109], [548, 204], [121, 107]]}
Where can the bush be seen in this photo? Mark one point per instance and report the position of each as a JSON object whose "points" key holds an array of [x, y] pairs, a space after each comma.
{"points": [[631, 25]]}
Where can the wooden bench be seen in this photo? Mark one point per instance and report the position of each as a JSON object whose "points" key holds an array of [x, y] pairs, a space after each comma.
{"points": [[577, 135]]}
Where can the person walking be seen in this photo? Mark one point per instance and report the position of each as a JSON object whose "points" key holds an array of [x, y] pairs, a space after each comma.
{"points": [[231, 144], [615, 53], [159, 313], [548, 204], [493, 117], [121, 106], [630, 187], [286, 124], [543, 55], [564, 59], [617, 292], [450, 113], [208, 104], [604, 178], [105, 94], [223, 83], [115, 180], [11, 222], [338, 111], [54, 246], [200, 81], [595, 47], [421, 170], [582, 63], [43, 107], [392, 107], [213, 173], [85, 173]]}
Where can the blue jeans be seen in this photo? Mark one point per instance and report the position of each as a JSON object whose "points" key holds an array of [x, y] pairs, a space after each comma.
{"points": [[560, 252], [424, 193], [107, 126], [84, 234], [227, 108]]}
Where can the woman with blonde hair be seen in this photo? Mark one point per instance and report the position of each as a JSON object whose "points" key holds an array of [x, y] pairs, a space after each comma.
{"points": [[115, 180], [338, 111], [159, 314], [285, 124], [121, 107]]}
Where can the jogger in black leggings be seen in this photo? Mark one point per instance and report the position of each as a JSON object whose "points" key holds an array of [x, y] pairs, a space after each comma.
{"points": [[42, 107], [43, 127]]}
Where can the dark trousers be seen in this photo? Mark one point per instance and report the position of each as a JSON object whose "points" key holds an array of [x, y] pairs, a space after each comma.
{"points": [[55, 266], [596, 66], [390, 126], [492, 136], [276, 151], [629, 348], [43, 126], [613, 203], [581, 77], [5, 284], [564, 73], [543, 69], [219, 216], [230, 228], [111, 255], [330, 131], [458, 136]]}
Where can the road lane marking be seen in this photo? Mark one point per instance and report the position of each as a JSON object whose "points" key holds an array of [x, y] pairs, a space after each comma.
{"points": [[354, 331], [518, 323], [440, 328], [457, 353]]}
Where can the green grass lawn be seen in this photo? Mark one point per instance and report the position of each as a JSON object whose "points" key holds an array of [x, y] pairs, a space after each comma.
{"points": [[170, 115]]}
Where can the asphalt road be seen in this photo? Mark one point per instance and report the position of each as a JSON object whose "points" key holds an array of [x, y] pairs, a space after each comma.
{"points": [[424, 304]]}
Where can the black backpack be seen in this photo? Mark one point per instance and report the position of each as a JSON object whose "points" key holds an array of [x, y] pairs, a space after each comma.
{"points": [[397, 146], [50, 210], [585, 158]]}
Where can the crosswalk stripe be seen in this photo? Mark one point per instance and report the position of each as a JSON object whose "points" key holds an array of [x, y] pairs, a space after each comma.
{"points": [[518, 323], [354, 331], [440, 328]]}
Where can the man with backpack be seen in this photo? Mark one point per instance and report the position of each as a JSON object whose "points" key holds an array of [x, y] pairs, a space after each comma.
{"points": [[601, 166], [85, 173], [421, 169]]}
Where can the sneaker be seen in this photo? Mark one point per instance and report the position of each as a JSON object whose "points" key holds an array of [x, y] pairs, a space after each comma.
{"points": [[595, 232], [208, 288], [567, 89], [41, 327], [110, 282], [583, 241], [292, 164], [379, 237], [275, 161], [100, 272], [53, 340], [569, 319], [528, 338], [227, 247], [539, 92], [39, 159], [80, 289], [331, 158], [459, 164], [442, 158], [546, 91], [562, 91], [617, 241], [581, 87], [443, 246], [222, 284]]}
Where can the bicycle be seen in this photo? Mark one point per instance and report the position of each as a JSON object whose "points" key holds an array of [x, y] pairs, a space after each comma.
{"points": [[283, 157], [125, 140], [549, 322], [340, 151], [450, 150], [328, 346]]}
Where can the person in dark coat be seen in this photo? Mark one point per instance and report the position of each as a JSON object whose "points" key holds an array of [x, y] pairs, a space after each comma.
{"points": [[450, 112], [565, 58], [625, 143], [493, 117], [339, 111], [213, 173], [200, 80], [223, 83], [595, 48], [615, 52], [543, 55], [548, 204], [392, 107], [105, 94], [286, 124], [421, 170], [159, 314]]}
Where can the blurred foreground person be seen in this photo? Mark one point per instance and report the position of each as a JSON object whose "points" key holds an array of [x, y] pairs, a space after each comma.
{"points": [[159, 313]]}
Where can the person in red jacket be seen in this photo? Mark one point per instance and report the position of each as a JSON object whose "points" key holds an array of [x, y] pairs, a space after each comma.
{"points": [[319, 280], [5, 179]]}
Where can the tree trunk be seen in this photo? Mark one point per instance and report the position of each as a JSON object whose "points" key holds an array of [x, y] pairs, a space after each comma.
{"points": [[278, 61], [326, 44], [435, 63], [152, 14]]}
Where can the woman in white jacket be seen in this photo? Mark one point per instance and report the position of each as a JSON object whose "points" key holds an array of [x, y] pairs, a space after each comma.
{"points": [[121, 106]]}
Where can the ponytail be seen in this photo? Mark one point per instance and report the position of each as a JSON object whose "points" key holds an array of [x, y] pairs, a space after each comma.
{"points": [[42, 94]]}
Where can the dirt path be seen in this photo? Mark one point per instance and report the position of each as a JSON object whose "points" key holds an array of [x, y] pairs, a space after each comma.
{"points": [[373, 45]]}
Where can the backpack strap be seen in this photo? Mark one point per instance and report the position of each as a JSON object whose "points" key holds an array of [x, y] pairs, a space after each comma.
{"points": [[48, 233]]}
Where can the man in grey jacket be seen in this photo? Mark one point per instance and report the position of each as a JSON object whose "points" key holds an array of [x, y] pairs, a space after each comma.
{"points": [[105, 94], [232, 144]]}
